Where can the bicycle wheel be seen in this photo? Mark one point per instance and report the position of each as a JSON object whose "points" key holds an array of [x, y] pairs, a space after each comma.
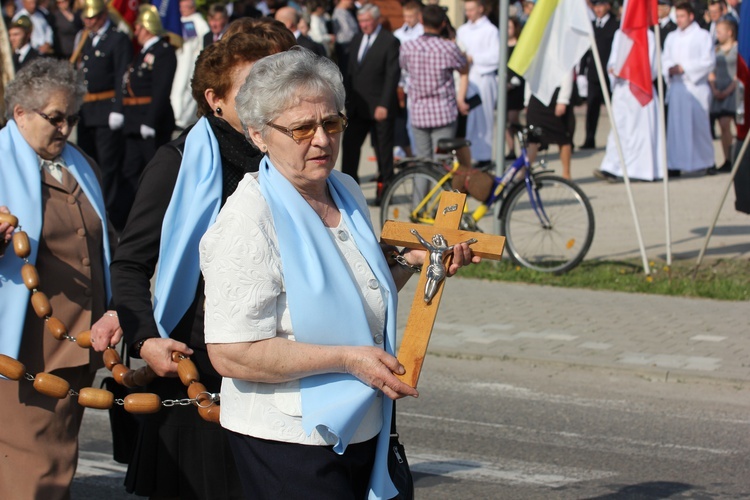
{"points": [[404, 198], [549, 229]]}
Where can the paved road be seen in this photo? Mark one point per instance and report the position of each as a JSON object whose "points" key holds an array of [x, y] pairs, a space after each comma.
{"points": [[663, 338]]}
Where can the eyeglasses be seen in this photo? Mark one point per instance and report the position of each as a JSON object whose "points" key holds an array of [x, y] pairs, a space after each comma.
{"points": [[57, 121], [306, 131]]}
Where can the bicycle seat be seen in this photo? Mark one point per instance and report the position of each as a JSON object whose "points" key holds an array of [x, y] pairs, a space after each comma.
{"points": [[445, 146]]}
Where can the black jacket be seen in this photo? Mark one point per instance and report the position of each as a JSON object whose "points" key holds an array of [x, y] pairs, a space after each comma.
{"points": [[373, 81], [150, 75], [604, 37], [103, 68]]}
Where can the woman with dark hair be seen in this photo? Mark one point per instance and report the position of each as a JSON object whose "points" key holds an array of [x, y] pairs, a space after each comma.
{"points": [[515, 89], [178, 454], [67, 24]]}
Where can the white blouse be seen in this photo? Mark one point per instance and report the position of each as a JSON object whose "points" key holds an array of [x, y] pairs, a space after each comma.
{"points": [[246, 302]]}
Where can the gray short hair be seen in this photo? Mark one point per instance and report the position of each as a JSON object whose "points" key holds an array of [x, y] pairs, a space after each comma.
{"points": [[369, 8], [279, 82], [33, 84]]}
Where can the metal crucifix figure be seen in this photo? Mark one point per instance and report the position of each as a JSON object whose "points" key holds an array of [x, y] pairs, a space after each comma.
{"points": [[436, 271]]}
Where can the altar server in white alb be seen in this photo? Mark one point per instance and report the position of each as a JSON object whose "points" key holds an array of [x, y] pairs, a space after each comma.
{"points": [[636, 124], [194, 28], [480, 40], [687, 60]]}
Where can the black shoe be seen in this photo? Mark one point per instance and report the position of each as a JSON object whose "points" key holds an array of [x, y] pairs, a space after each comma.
{"points": [[605, 176], [588, 145], [673, 173], [726, 168], [712, 170]]}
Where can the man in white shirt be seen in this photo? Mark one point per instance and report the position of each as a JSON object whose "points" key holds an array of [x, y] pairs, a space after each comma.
{"points": [[480, 39], [41, 35], [194, 28], [687, 60]]}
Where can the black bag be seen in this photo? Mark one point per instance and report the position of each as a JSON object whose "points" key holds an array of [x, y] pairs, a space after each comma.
{"points": [[124, 425], [398, 467]]}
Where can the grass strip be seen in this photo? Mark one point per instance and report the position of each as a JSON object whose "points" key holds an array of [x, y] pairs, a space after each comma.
{"points": [[722, 279]]}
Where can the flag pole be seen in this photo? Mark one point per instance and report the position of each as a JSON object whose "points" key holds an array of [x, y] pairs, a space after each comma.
{"points": [[502, 104], [608, 104], [663, 136], [735, 167]]}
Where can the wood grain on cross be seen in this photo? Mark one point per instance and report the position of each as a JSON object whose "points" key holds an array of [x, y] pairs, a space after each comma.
{"points": [[418, 329]]}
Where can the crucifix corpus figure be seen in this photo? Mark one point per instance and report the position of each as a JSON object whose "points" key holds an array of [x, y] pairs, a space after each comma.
{"points": [[436, 271], [424, 307]]}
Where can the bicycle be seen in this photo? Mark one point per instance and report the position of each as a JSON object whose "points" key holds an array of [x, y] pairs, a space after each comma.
{"points": [[547, 221]]}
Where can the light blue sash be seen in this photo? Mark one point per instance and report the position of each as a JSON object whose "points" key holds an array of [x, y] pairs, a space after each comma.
{"points": [[21, 192], [193, 208], [326, 308]]}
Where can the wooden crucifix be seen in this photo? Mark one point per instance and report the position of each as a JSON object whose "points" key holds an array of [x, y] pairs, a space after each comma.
{"points": [[426, 301]]}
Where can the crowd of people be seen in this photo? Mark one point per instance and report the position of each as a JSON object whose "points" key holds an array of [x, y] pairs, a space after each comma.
{"points": [[167, 132]]}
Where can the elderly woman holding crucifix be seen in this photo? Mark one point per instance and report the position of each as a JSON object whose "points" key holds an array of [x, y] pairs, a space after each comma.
{"points": [[301, 300]]}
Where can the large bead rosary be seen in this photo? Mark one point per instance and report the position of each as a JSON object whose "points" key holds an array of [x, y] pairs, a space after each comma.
{"points": [[56, 387]]}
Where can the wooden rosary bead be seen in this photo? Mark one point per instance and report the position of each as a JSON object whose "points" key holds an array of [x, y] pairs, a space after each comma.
{"points": [[51, 385], [119, 371], [30, 276], [21, 244], [96, 398], [11, 368], [83, 339], [128, 379], [187, 371], [143, 376], [210, 414], [177, 356], [41, 305], [195, 389], [57, 328], [10, 219], [142, 403], [111, 358]]}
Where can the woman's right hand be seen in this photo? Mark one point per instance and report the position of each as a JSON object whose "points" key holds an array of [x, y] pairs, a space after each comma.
{"points": [[378, 369], [157, 352]]}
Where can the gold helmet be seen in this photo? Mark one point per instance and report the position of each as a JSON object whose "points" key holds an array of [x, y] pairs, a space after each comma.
{"points": [[92, 8], [23, 22], [148, 17]]}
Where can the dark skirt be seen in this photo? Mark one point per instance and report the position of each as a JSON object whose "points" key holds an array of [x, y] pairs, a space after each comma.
{"points": [[178, 454], [555, 129], [276, 470]]}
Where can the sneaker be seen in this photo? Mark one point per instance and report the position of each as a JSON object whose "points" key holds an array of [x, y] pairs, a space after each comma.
{"points": [[605, 176], [398, 153]]}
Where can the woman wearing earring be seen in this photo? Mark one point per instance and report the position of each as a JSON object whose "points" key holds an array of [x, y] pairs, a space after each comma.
{"points": [[178, 454]]}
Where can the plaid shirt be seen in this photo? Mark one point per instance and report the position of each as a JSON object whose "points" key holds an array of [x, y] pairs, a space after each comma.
{"points": [[430, 62]]}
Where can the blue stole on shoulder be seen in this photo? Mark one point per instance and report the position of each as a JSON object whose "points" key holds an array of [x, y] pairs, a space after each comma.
{"points": [[325, 308], [195, 202], [21, 192]]}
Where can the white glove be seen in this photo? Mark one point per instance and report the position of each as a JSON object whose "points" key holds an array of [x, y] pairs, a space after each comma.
{"points": [[515, 81], [116, 120], [147, 132]]}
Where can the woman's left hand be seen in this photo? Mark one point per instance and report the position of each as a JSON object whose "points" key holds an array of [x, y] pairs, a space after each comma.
{"points": [[462, 256], [106, 332]]}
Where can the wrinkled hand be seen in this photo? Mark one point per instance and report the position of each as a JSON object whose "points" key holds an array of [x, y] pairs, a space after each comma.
{"points": [[376, 368], [106, 332], [157, 352], [462, 256]]}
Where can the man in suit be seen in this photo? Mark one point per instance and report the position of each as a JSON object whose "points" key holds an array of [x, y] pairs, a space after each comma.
{"points": [[666, 25], [605, 26], [149, 118], [290, 18], [218, 20], [102, 57], [19, 35], [373, 75]]}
